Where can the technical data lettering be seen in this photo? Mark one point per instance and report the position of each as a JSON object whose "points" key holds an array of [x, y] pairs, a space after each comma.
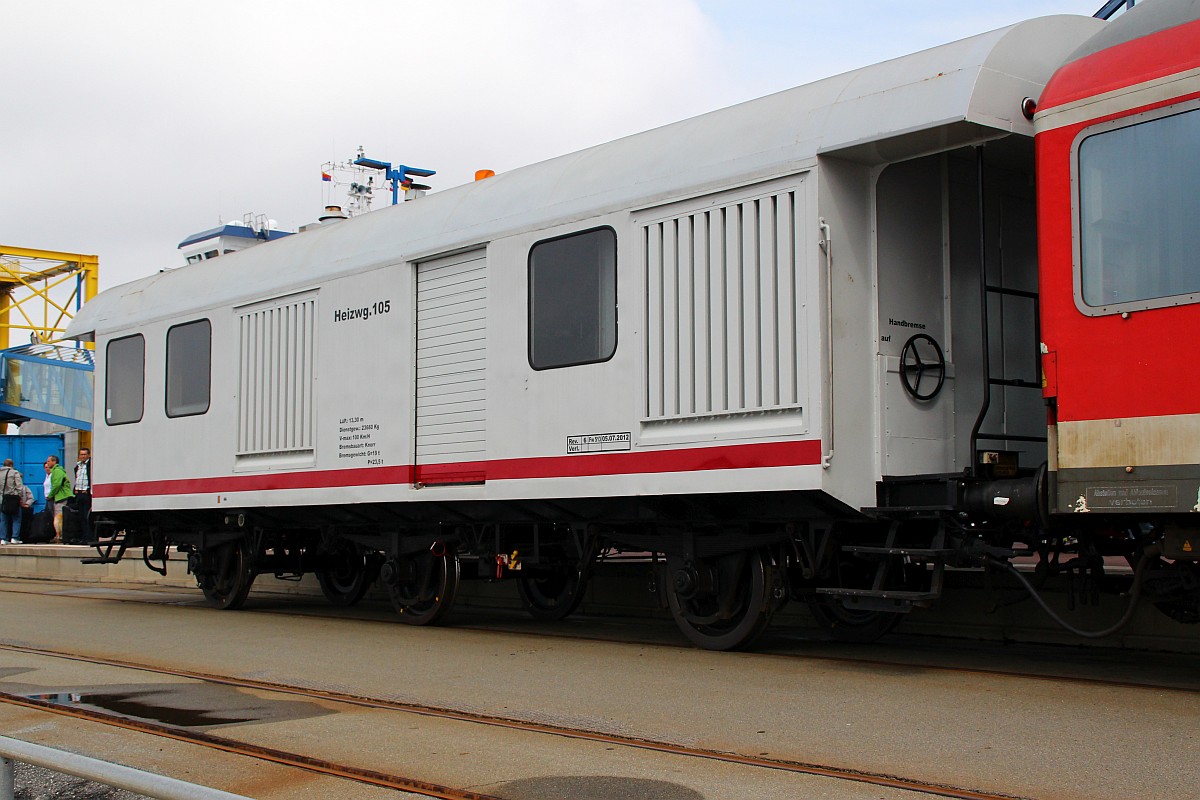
{"points": [[362, 312], [1132, 497], [359, 439], [599, 442]]}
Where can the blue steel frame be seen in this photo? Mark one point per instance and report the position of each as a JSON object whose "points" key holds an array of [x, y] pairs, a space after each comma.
{"points": [[13, 413], [399, 175]]}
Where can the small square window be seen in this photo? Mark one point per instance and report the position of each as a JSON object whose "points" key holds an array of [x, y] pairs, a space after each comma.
{"points": [[573, 299], [189, 357], [1137, 208], [124, 380]]}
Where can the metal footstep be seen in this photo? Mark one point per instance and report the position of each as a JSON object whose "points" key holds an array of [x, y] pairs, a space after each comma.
{"points": [[104, 546], [881, 598]]}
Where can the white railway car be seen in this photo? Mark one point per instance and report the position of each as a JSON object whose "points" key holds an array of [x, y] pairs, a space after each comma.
{"points": [[738, 342]]}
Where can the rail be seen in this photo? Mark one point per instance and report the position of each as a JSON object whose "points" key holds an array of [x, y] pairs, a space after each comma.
{"points": [[92, 769]]}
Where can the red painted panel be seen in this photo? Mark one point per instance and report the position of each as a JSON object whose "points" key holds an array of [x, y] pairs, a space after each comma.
{"points": [[1128, 64], [1050, 374], [749, 456], [1108, 366]]}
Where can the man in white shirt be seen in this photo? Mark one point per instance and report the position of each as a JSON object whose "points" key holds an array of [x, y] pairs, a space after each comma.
{"points": [[83, 492]]}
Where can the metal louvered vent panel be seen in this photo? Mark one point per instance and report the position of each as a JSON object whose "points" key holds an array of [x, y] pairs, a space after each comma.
{"points": [[452, 359], [724, 309], [277, 345]]}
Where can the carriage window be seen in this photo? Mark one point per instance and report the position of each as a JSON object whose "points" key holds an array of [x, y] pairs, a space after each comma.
{"points": [[1138, 212], [125, 380], [189, 354], [573, 299]]}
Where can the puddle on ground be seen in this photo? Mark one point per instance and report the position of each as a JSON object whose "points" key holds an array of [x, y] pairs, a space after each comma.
{"points": [[184, 705], [594, 787]]}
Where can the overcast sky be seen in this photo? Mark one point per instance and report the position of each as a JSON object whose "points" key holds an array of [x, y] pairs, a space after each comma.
{"points": [[129, 124]]}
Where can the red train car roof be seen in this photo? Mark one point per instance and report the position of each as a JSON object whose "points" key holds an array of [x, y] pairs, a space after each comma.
{"points": [[1126, 54]]}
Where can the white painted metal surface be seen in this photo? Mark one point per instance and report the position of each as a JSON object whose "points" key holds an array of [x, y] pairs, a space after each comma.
{"points": [[276, 360], [726, 311], [973, 81], [451, 359]]}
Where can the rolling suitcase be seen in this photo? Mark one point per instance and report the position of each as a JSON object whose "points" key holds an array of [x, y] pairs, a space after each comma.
{"points": [[72, 525], [38, 529]]}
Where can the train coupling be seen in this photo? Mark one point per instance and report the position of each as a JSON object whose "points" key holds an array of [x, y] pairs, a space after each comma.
{"points": [[1021, 499], [966, 498]]}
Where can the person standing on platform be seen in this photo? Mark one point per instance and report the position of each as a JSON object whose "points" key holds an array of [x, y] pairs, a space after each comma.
{"points": [[13, 488], [60, 493], [27, 511], [83, 492], [47, 514]]}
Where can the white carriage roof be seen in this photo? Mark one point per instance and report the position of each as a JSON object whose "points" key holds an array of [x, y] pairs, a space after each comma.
{"points": [[958, 92]]}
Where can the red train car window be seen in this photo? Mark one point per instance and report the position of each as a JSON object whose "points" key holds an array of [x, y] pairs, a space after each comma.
{"points": [[1139, 214]]}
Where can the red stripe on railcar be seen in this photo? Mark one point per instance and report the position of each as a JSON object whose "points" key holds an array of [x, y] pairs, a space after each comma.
{"points": [[749, 456]]}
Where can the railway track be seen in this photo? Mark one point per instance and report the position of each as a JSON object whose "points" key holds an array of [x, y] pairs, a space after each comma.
{"points": [[413, 784], [1031, 662], [449, 709]]}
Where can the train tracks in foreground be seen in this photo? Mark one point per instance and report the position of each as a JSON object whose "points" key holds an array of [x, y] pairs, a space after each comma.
{"points": [[204, 738], [899, 651]]}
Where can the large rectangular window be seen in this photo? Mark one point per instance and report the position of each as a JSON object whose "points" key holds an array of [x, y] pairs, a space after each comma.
{"points": [[1138, 208], [124, 380], [189, 355], [573, 299]]}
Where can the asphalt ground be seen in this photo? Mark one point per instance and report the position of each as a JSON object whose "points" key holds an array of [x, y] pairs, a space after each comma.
{"points": [[1045, 722]]}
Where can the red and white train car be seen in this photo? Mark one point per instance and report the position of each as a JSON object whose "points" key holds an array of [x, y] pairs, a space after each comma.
{"points": [[1118, 129], [791, 347]]}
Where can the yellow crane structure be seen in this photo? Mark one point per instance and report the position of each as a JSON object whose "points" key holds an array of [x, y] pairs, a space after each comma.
{"points": [[40, 291]]}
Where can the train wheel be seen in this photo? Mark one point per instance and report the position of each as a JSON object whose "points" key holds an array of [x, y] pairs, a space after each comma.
{"points": [[851, 624], [346, 579], [1175, 589], [228, 584], [422, 587], [722, 603], [553, 595]]}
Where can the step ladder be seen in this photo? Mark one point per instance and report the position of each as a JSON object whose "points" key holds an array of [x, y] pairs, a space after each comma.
{"points": [[880, 598], [111, 545]]}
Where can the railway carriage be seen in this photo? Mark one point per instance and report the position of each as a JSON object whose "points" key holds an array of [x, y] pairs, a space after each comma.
{"points": [[793, 348]]}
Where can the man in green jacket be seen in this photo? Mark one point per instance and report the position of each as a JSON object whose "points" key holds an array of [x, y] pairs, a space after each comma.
{"points": [[60, 493]]}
